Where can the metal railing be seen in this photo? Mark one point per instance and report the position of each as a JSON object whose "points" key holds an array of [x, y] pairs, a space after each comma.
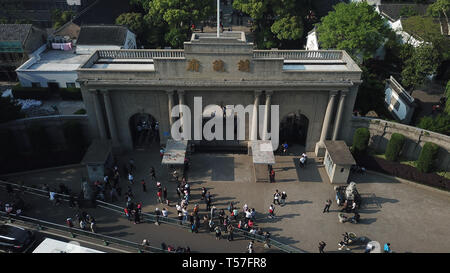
{"points": [[298, 54], [148, 217], [73, 232], [141, 53]]}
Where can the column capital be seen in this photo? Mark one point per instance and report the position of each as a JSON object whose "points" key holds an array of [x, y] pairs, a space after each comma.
{"points": [[258, 92], [333, 93], [181, 92], [170, 92], [269, 92]]}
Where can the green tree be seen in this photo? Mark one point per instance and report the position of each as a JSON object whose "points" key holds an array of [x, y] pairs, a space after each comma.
{"points": [[423, 62], [176, 16], [354, 27], [59, 18], [439, 124], [134, 21], [275, 22], [370, 93], [10, 109], [440, 7]]}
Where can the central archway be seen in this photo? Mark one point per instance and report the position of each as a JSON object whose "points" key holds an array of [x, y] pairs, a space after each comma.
{"points": [[144, 130], [294, 128]]}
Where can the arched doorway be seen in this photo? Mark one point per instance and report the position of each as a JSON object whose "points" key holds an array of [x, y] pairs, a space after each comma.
{"points": [[294, 129], [144, 130]]}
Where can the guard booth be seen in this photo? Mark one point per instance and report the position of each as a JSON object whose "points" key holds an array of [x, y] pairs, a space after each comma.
{"points": [[262, 154], [174, 156], [98, 159], [338, 161]]}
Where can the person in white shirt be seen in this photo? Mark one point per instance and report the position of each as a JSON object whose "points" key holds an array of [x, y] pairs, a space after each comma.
{"points": [[130, 178], [164, 212], [302, 162]]}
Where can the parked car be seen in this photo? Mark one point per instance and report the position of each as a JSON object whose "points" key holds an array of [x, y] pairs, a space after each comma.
{"points": [[15, 239]]}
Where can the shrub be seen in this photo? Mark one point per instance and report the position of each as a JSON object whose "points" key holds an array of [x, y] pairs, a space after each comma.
{"points": [[10, 109], [360, 140], [427, 157], [395, 146], [36, 93], [81, 111], [70, 93]]}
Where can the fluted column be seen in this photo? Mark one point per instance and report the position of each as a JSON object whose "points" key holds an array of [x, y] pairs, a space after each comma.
{"points": [[170, 104], [254, 131], [319, 151], [181, 102], [111, 120], [266, 114], [99, 115], [337, 124]]}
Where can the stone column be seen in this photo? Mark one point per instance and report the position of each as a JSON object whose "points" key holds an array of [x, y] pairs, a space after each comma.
{"points": [[170, 100], [99, 115], [319, 151], [111, 120], [181, 102], [337, 124], [254, 131], [266, 114]]}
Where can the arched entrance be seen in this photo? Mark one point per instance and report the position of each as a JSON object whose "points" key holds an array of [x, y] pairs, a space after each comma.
{"points": [[294, 129], [144, 130]]}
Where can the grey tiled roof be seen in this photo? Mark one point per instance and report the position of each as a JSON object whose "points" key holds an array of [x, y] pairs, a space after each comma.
{"points": [[102, 35], [14, 32]]}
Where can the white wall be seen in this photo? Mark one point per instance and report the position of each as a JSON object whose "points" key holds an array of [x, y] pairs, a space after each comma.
{"points": [[43, 77], [311, 41]]}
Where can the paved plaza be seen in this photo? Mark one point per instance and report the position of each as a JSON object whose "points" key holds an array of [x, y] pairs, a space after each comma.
{"points": [[411, 218]]}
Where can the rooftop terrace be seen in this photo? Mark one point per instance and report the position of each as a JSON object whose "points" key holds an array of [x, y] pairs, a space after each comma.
{"points": [[55, 60]]}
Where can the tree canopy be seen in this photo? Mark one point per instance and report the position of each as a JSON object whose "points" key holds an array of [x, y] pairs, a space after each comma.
{"points": [[354, 27], [276, 23]]}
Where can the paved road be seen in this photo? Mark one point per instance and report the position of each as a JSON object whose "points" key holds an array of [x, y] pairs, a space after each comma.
{"points": [[116, 225]]}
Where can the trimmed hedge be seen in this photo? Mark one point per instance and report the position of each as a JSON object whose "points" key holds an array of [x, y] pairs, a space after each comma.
{"points": [[403, 171], [70, 93], [35, 93], [427, 157], [360, 140], [395, 146]]}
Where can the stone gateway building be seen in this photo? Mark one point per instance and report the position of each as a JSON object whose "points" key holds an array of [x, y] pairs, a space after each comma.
{"points": [[128, 93]]}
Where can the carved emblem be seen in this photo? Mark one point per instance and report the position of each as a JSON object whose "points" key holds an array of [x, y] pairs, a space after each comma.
{"points": [[244, 65], [218, 65], [193, 65]]}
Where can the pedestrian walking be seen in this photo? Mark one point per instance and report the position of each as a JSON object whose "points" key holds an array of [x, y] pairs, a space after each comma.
{"points": [[230, 230], [203, 193], [272, 176], [165, 196], [211, 225], [235, 213], [285, 148], [322, 245], [159, 194], [276, 198], [230, 207], [387, 248], [271, 211], [93, 227], [250, 247], [144, 188], [305, 157], [283, 198], [82, 224], [153, 173], [327, 206], [69, 222], [218, 233], [130, 178], [127, 213], [302, 162], [137, 218]]}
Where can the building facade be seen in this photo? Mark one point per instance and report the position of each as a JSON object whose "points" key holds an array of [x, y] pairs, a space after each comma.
{"points": [[315, 90]]}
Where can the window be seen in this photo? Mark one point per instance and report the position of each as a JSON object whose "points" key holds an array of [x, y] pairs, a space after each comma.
{"points": [[397, 105], [342, 170], [70, 85], [35, 84]]}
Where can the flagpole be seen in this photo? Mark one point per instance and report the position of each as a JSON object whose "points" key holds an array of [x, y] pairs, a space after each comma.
{"points": [[218, 18]]}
